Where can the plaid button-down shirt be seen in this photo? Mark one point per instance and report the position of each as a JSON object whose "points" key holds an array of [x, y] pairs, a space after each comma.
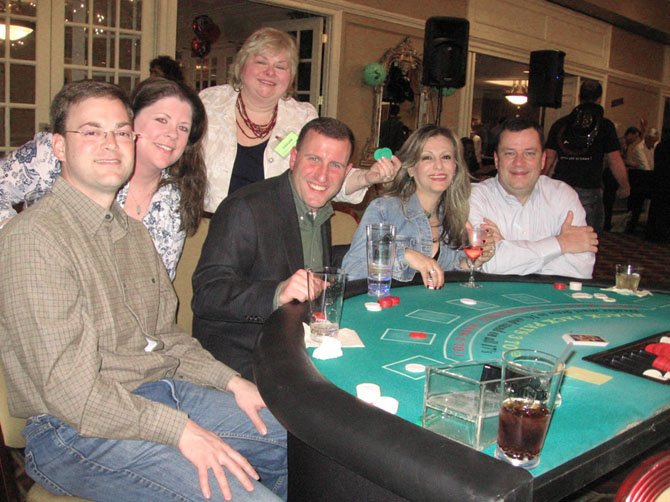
{"points": [[83, 294]]}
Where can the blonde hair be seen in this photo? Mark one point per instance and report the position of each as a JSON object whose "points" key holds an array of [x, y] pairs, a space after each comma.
{"points": [[455, 199], [265, 40]]}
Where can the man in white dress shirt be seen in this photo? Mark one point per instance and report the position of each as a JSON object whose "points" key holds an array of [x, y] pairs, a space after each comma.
{"points": [[538, 223]]}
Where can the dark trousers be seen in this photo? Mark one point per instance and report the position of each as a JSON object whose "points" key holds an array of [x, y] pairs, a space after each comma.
{"points": [[641, 188]]}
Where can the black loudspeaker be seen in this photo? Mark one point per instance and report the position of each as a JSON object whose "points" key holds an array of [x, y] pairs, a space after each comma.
{"points": [[545, 81], [445, 52]]}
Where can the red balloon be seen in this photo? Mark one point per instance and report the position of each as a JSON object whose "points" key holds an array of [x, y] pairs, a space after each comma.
{"points": [[206, 29], [199, 47]]}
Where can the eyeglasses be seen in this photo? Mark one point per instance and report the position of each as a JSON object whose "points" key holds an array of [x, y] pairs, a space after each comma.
{"points": [[98, 135]]}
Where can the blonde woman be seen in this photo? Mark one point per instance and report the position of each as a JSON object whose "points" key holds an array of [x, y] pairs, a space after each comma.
{"points": [[252, 119], [428, 204]]}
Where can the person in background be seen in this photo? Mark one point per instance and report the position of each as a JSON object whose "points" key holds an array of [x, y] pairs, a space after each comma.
{"points": [[253, 121], [538, 223], [393, 132], [261, 240], [428, 204], [166, 67], [576, 147], [121, 403], [469, 156], [658, 229], [640, 163], [167, 187]]}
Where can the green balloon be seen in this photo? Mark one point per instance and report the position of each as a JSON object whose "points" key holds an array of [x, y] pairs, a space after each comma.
{"points": [[374, 74]]}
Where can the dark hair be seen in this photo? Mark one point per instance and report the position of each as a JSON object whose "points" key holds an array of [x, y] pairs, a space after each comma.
{"points": [[76, 92], [455, 199], [517, 124], [590, 91], [329, 127], [632, 130], [165, 66], [189, 173]]}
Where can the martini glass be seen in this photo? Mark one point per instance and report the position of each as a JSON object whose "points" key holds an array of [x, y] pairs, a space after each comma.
{"points": [[473, 251]]}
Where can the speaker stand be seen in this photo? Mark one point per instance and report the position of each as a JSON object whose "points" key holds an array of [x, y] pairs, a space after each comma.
{"points": [[438, 115]]}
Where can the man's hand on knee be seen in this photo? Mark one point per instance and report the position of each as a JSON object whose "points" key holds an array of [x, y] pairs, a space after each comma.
{"points": [[249, 400], [205, 450]]}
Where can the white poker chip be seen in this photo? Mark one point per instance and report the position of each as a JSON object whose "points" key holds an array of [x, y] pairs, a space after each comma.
{"points": [[575, 286], [582, 296], [373, 306], [609, 300], [415, 368], [468, 301], [368, 392], [600, 296]]}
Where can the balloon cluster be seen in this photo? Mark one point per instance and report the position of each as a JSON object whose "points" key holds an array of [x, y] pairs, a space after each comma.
{"points": [[206, 33]]}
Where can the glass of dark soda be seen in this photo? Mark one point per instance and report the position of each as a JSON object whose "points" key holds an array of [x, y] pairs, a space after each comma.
{"points": [[531, 380]]}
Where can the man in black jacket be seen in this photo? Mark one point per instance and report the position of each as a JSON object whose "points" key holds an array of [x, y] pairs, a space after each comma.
{"points": [[261, 240]]}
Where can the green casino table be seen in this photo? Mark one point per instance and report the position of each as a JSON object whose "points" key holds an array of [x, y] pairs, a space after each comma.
{"points": [[606, 416]]}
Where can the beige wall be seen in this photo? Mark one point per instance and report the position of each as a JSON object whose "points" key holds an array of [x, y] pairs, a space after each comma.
{"points": [[635, 54], [639, 101], [364, 42], [418, 9]]}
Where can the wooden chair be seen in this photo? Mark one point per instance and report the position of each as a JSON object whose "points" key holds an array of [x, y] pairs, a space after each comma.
{"points": [[648, 482], [182, 282], [11, 438], [342, 227]]}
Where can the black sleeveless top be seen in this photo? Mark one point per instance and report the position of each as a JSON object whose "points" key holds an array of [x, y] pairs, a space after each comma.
{"points": [[248, 167]]}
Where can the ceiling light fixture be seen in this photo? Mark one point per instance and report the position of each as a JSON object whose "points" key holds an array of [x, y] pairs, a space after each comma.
{"points": [[519, 93], [16, 32]]}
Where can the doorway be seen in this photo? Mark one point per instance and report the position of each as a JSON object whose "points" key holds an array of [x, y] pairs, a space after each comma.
{"points": [[237, 19]]}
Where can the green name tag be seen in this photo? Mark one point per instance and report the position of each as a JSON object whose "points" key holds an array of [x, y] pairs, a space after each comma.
{"points": [[285, 145]]}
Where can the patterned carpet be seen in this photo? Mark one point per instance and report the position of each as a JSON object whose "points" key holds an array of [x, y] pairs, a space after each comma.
{"points": [[654, 259]]}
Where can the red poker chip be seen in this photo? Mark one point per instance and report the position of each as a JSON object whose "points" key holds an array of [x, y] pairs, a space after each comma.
{"points": [[560, 285], [418, 334], [395, 300], [385, 302]]}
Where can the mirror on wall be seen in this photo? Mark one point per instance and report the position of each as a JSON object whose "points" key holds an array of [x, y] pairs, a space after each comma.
{"points": [[397, 102], [495, 79]]}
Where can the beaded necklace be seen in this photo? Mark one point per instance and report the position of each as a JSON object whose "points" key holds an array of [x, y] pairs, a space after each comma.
{"points": [[258, 130]]}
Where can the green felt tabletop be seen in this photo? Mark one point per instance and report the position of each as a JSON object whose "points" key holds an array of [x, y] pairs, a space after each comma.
{"points": [[506, 316]]}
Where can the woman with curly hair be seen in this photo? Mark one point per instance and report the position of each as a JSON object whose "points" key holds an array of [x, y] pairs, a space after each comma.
{"points": [[428, 204]]}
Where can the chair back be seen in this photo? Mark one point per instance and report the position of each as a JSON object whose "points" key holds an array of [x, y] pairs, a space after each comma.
{"points": [[649, 481], [342, 228], [11, 426], [182, 282]]}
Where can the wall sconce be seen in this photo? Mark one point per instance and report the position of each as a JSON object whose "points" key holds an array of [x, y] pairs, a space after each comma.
{"points": [[519, 94], [16, 32]]}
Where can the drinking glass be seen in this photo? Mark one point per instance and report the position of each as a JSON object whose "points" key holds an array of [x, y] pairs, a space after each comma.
{"points": [[531, 380], [473, 251], [381, 247]]}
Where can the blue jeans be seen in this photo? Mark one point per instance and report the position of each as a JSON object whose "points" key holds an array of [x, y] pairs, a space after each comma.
{"points": [[592, 201], [65, 463]]}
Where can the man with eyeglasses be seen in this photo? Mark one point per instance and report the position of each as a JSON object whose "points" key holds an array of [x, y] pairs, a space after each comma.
{"points": [[121, 404]]}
